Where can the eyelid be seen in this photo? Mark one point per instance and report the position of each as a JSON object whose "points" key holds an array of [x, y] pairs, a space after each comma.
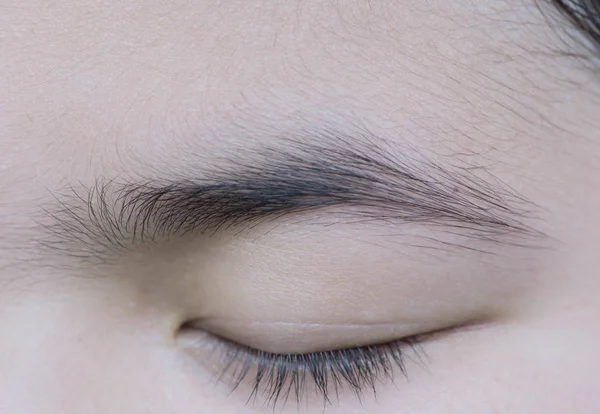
{"points": [[329, 375], [293, 337]]}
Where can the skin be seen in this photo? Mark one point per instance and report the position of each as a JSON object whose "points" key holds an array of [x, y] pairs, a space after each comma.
{"points": [[139, 88]]}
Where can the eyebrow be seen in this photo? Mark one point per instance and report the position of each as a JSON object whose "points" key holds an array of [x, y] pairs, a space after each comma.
{"points": [[367, 177], [585, 15]]}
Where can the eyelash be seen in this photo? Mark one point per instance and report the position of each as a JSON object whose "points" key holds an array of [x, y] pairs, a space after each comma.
{"points": [[279, 377]]}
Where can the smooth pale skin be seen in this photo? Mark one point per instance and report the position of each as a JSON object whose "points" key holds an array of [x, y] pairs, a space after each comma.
{"points": [[133, 88]]}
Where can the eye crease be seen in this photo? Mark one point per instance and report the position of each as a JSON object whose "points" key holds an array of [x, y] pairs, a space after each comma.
{"points": [[304, 364], [326, 376], [300, 207]]}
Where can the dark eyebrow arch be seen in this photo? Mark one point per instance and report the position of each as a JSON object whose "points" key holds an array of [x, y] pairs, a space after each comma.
{"points": [[359, 174]]}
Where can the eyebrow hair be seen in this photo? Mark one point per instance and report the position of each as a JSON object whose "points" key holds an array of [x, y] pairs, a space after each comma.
{"points": [[358, 173], [585, 14]]}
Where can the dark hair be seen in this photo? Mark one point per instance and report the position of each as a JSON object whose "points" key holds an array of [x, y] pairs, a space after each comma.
{"points": [[586, 16]]}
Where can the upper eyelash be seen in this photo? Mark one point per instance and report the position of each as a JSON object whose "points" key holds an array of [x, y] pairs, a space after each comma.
{"points": [[280, 377]]}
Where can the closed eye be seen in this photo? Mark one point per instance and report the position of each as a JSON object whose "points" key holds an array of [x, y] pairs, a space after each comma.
{"points": [[273, 379]]}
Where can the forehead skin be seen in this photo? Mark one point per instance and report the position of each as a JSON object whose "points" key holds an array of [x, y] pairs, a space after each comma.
{"points": [[145, 88]]}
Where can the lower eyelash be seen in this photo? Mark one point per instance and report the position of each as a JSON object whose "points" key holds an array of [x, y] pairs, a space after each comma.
{"points": [[279, 377]]}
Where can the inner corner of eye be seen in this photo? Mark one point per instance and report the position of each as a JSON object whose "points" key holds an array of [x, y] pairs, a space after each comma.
{"points": [[190, 334]]}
